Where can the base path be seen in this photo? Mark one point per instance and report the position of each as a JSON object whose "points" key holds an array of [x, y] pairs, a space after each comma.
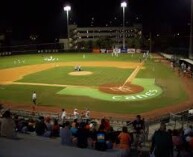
{"points": [[126, 87], [133, 75]]}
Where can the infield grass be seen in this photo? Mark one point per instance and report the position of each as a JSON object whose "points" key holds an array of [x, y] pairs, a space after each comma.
{"points": [[60, 75]]}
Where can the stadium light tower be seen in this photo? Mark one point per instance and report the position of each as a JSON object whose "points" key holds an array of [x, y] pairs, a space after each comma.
{"points": [[123, 5], [67, 9], [191, 32]]}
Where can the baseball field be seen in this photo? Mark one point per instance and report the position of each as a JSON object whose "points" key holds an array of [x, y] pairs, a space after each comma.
{"points": [[120, 86]]}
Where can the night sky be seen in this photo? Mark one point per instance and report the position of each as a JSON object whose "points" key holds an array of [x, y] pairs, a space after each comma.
{"points": [[47, 19]]}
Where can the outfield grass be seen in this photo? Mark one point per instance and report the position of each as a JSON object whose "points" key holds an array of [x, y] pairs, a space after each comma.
{"points": [[173, 91], [8, 62]]}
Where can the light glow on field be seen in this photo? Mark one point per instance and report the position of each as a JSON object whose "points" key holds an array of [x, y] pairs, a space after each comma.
{"points": [[150, 91]]}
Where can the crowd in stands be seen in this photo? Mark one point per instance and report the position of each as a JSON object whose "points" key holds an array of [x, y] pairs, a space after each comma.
{"points": [[182, 68], [172, 143], [101, 136], [82, 134]]}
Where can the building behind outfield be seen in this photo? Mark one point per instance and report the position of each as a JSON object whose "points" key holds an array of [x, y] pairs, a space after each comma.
{"points": [[79, 34]]}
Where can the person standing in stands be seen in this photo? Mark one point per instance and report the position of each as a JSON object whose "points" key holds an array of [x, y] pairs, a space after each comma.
{"points": [[63, 116], [138, 124], [7, 125], [82, 135], [87, 114], [76, 114], [139, 130], [40, 126], [125, 142], [101, 138], [162, 145], [65, 134]]}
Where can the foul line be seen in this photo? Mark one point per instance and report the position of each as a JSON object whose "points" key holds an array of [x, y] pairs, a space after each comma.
{"points": [[49, 85], [132, 76]]}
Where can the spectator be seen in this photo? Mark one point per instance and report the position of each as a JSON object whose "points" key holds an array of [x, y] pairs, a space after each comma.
{"points": [[138, 134], [111, 138], [125, 142], [191, 142], [187, 136], [92, 136], [22, 125], [40, 126], [55, 129], [138, 124], [177, 141], [74, 129], [48, 127], [87, 114], [188, 130], [65, 134], [101, 139], [82, 136], [63, 116], [162, 145], [48, 123], [31, 125], [7, 125], [76, 114], [105, 124]]}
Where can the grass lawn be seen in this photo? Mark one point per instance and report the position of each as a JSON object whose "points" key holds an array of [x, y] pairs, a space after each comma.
{"points": [[60, 75], [165, 78]]}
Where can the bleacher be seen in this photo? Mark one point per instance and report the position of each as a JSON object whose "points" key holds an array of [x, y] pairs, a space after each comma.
{"points": [[28, 144], [173, 120]]}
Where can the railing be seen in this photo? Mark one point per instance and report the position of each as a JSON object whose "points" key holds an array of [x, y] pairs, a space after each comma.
{"points": [[183, 118]]}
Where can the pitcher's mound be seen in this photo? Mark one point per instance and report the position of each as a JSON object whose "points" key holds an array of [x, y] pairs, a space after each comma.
{"points": [[79, 73], [120, 89]]}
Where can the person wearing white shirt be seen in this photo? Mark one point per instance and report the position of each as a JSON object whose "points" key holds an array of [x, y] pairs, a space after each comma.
{"points": [[34, 97], [87, 114], [76, 114], [63, 116]]}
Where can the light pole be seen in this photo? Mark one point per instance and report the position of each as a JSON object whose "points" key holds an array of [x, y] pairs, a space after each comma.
{"points": [[150, 42], [67, 9], [123, 5], [191, 31]]}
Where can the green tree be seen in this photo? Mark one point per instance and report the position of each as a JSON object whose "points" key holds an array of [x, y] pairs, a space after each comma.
{"points": [[90, 44], [104, 43], [130, 42], [137, 42], [145, 43], [98, 43], [81, 45]]}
